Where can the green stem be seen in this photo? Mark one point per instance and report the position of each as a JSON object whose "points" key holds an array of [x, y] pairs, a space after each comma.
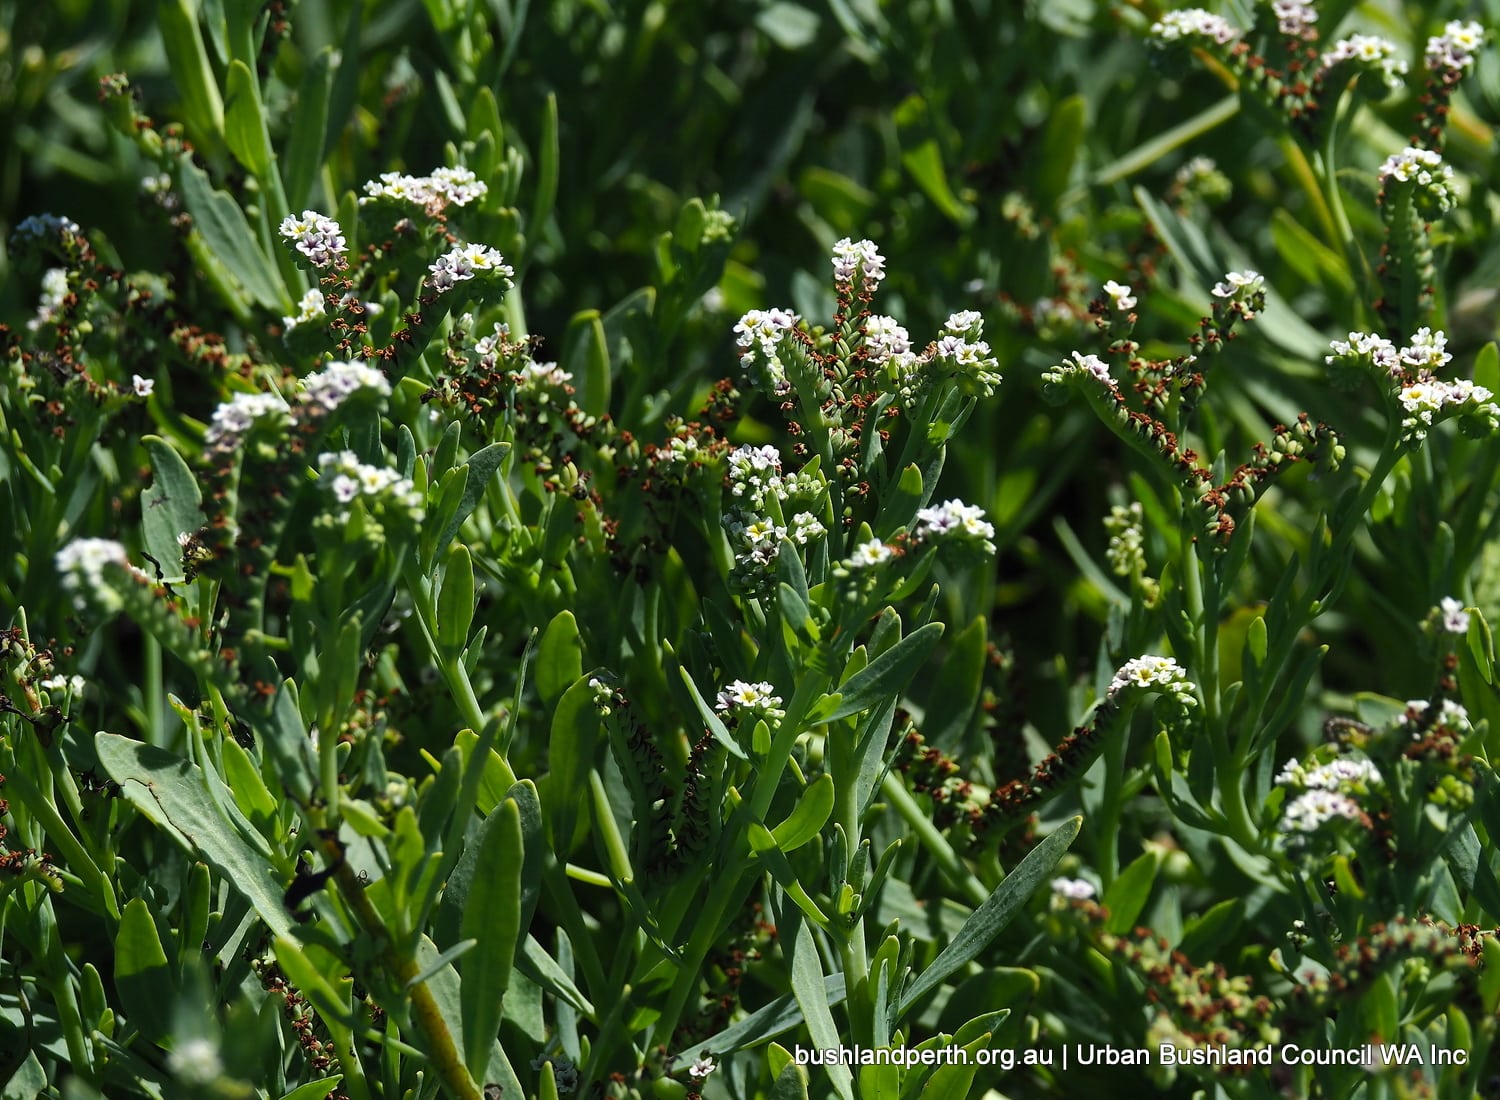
{"points": [[933, 840]]}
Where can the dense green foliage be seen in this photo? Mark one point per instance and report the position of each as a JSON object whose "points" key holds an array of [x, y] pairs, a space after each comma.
{"points": [[485, 611]]}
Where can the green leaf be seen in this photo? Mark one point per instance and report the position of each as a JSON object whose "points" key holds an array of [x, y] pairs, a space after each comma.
{"points": [[492, 915], [1067, 125], [244, 121], [986, 922], [559, 658], [548, 161], [925, 163], [571, 751], [790, 26], [202, 107], [222, 225], [585, 355], [791, 1084], [811, 992], [143, 977], [171, 792], [805, 822], [482, 465], [169, 507], [773, 1019], [953, 691], [1128, 894], [888, 674], [317, 975], [304, 150], [455, 604], [1206, 935], [314, 1090]]}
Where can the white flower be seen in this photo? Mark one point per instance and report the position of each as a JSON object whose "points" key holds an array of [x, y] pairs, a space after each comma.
{"points": [[1095, 366], [195, 1062], [1239, 284], [1367, 52], [1424, 170], [1314, 808], [702, 1067], [1454, 618], [965, 323], [235, 417], [1451, 714], [81, 563], [758, 334], [54, 290], [1376, 350], [850, 256], [1295, 18], [318, 238], [309, 308], [1452, 52], [1153, 673], [143, 387], [1427, 349], [458, 186], [884, 338], [1076, 889], [746, 698], [330, 387], [1120, 296], [1194, 23], [346, 478], [867, 554], [461, 263], [955, 517]]}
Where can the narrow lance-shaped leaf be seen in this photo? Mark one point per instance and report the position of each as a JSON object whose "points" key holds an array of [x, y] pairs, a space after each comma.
{"points": [[986, 922]]}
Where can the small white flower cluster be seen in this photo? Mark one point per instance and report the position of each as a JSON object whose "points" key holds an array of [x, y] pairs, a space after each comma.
{"points": [[488, 347], [1427, 352], [1073, 889], [465, 262], [758, 334], [1345, 774], [869, 554], [233, 418], [755, 477], [309, 308], [1200, 178], [743, 698], [1311, 810], [1241, 288], [1091, 365], [955, 519], [81, 563], [1424, 170], [72, 684], [852, 257], [1190, 23], [38, 226], [885, 340], [443, 187], [960, 348], [1452, 715], [54, 290], [1453, 51], [1367, 52], [318, 238], [335, 383], [540, 376], [158, 189], [347, 478], [195, 1062], [1126, 528], [1295, 18], [759, 540], [1121, 297], [1153, 673], [1428, 399], [1452, 615]]}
